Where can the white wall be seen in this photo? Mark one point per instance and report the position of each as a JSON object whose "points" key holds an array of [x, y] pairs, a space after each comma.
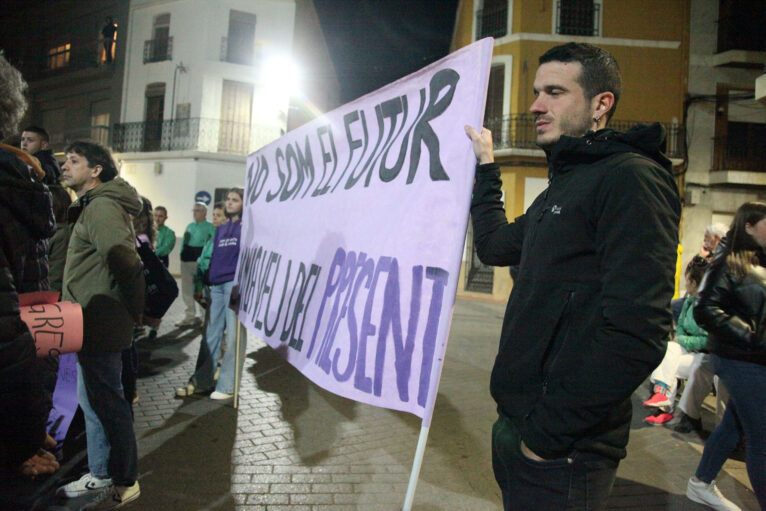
{"points": [[197, 27], [178, 181]]}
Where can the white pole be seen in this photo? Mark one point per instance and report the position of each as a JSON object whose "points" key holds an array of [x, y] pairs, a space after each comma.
{"points": [[416, 464], [236, 367]]}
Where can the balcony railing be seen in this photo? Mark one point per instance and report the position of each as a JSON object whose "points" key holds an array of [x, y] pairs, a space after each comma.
{"points": [[157, 50], [577, 18], [518, 132], [492, 22], [197, 134], [736, 153]]}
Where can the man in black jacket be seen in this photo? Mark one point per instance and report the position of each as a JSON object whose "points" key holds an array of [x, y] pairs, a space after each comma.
{"points": [[35, 141], [590, 311]]}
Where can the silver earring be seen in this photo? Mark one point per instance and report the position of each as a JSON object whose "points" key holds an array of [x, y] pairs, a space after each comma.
{"points": [[596, 119]]}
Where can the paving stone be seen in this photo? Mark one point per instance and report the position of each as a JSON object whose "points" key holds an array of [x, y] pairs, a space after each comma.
{"points": [[293, 446]]}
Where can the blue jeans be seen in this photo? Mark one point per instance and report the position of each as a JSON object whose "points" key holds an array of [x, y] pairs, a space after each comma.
{"points": [[109, 431], [745, 414], [583, 480], [221, 316]]}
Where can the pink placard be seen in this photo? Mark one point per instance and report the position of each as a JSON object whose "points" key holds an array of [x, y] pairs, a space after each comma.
{"points": [[56, 327]]}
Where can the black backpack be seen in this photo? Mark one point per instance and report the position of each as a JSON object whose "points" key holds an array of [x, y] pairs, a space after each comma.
{"points": [[161, 287]]}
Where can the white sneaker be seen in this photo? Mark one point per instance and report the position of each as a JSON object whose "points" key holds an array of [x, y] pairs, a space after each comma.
{"points": [[220, 396], [85, 485], [114, 497], [709, 495]]}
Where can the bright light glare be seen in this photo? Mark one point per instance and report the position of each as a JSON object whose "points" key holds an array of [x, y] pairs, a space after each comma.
{"points": [[282, 74]]}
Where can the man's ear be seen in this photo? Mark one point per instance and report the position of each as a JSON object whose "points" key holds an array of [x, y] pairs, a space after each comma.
{"points": [[44, 144], [602, 103], [96, 171]]}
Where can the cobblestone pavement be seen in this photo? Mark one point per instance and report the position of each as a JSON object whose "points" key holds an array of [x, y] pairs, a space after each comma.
{"points": [[293, 446]]}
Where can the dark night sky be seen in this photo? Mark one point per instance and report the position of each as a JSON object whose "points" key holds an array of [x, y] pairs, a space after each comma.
{"points": [[374, 42]]}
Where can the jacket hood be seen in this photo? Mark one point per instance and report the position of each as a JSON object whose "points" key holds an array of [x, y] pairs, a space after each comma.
{"points": [[645, 139], [117, 190], [27, 200]]}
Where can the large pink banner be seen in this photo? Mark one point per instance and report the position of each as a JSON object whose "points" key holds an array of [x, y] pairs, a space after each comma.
{"points": [[353, 233]]}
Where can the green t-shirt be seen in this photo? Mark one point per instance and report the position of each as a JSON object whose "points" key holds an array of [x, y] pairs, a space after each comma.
{"points": [[166, 240], [197, 234]]}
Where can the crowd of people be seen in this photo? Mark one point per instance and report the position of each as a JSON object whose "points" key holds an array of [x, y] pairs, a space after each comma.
{"points": [[84, 232], [582, 311]]}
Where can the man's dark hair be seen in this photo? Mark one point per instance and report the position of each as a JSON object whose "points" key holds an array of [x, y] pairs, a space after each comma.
{"points": [[600, 72], [96, 154], [162, 208], [40, 131]]}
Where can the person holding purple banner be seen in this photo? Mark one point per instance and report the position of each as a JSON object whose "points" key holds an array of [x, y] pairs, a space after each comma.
{"points": [[589, 315]]}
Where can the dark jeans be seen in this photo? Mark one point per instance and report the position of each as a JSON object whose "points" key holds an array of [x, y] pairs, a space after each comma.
{"points": [[581, 481], [130, 372], [108, 418], [745, 414]]}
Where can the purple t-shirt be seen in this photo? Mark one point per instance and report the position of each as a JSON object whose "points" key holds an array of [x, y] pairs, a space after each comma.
{"points": [[223, 263]]}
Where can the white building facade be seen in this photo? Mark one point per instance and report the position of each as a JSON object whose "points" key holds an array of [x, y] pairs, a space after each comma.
{"points": [[206, 83]]}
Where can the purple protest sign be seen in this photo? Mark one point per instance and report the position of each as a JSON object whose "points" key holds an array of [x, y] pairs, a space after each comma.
{"points": [[64, 399], [353, 232]]}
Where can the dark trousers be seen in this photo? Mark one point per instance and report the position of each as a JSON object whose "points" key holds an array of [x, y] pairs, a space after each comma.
{"points": [[582, 480], [130, 372], [745, 414], [108, 418]]}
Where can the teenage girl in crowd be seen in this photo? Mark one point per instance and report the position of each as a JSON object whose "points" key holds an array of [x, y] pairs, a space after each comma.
{"points": [[223, 264], [202, 295]]}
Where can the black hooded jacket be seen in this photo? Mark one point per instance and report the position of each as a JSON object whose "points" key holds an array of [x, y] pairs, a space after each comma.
{"points": [[589, 314], [49, 165], [26, 220]]}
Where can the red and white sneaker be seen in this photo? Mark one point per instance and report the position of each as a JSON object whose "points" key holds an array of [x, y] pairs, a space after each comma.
{"points": [[658, 400], [660, 419]]}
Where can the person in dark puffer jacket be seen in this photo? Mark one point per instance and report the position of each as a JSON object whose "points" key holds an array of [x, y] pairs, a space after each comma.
{"points": [[26, 221]]}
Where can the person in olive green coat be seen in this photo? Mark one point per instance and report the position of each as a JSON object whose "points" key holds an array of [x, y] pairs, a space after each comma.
{"points": [[103, 273]]}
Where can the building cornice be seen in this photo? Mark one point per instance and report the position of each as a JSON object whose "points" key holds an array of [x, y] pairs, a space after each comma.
{"points": [[598, 41]]}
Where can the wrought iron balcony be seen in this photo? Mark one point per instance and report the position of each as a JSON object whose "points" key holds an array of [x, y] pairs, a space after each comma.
{"points": [[157, 50], [518, 132], [196, 134], [492, 22]]}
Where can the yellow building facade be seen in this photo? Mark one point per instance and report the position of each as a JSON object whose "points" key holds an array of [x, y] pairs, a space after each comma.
{"points": [[649, 39]]}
